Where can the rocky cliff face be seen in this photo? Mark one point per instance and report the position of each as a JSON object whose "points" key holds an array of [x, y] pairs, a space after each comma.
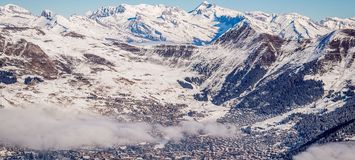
{"points": [[28, 58]]}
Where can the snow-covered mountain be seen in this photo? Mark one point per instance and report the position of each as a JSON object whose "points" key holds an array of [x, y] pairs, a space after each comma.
{"points": [[13, 9], [268, 75], [207, 22], [47, 14], [289, 26], [338, 23], [159, 23], [163, 23]]}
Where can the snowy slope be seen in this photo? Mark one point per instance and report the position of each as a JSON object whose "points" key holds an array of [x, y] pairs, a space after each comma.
{"points": [[289, 26], [92, 73], [338, 23]]}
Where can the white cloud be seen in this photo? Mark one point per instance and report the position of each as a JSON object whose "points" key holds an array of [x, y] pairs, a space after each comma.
{"points": [[52, 128], [331, 151], [57, 128]]}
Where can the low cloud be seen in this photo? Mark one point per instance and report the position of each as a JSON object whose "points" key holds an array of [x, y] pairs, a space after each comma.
{"points": [[56, 128], [331, 151], [192, 128]]}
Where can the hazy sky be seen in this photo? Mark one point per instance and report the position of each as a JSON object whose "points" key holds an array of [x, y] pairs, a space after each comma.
{"points": [[316, 9]]}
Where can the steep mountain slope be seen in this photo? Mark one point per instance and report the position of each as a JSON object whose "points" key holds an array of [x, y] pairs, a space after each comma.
{"points": [[274, 85]]}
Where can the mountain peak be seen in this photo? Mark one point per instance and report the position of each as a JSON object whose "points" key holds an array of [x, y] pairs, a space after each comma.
{"points": [[47, 14], [338, 23], [12, 8], [296, 16], [108, 11], [205, 5]]}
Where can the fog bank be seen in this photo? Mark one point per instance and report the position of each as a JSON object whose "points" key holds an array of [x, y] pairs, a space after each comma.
{"points": [[56, 128], [331, 151]]}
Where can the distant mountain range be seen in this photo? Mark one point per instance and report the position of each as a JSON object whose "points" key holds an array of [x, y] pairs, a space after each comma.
{"points": [[203, 25]]}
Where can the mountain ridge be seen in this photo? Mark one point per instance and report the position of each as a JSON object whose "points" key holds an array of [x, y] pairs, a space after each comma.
{"points": [[207, 22]]}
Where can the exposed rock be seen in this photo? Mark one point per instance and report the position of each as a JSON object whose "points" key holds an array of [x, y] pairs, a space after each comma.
{"points": [[337, 47], [21, 29], [107, 11], [47, 14], [32, 80], [98, 60], [127, 47], [35, 60], [237, 35], [74, 35]]}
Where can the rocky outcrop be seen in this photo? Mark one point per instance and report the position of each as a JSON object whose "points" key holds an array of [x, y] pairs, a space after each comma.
{"points": [[127, 47], [28, 58], [98, 60], [74, 35], [47, 14]]}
